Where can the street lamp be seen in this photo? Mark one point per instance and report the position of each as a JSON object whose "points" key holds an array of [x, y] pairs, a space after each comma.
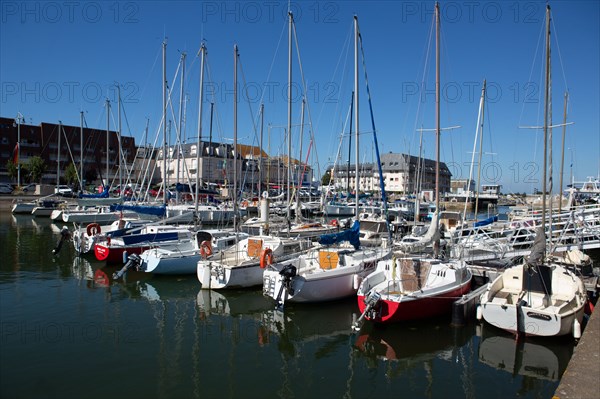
{"points": [[19, 120]]}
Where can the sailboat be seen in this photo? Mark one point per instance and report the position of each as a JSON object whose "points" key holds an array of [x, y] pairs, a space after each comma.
{"points": [[242, 265], [333, 269], [538, 297], [408, 287]]}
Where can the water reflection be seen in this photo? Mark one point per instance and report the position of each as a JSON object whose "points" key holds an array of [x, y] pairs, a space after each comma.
{"points": [[531, 358], [411, 344], [171, 339]]}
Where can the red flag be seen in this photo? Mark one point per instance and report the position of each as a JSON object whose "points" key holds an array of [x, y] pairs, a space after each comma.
{"points": [[16, 154]]}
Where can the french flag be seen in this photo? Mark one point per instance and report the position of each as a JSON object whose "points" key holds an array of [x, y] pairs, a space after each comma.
{"points": [[16, 154]]}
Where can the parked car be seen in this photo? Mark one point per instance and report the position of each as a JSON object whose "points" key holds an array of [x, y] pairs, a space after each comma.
{"points": [[29, 188], [5, 188], [63, 190]]}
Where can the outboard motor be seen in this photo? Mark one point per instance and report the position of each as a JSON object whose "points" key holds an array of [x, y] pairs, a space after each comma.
{"points": [[133, 260], [371, 300], [65, 235], [287, 274]]}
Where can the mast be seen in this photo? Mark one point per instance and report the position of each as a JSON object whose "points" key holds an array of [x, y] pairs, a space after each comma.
{"points": [[349, 144], [298, 172], [180, 129], [481, 103], [289, 118], [356, 152], [58, 154], [546, 113], [437, 107], [146, 135], [121, 192], [164, 116], [107, 140], [235, 153], [81, 151], [19, 117], [418, 180], [262, 122], [202, 55], [562, 157], [480, 149]]}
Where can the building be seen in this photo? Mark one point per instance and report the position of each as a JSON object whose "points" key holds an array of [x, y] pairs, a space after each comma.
{"points": [[401, 172], [59, 146], [462, 186], [213, 164]]}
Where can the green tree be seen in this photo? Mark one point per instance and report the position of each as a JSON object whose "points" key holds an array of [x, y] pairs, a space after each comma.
{"points": [[11, 168], [70, 175], [326, 178], [36, 168]]}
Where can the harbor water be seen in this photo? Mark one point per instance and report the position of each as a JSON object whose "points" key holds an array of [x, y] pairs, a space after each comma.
{"points": [[68, 330]]}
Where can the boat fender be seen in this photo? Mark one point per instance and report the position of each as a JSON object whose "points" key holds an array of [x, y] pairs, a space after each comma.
{"points": [[479, 313], [356, 281], [206, 249], [576, 329], [93, 229], [266, 257]]}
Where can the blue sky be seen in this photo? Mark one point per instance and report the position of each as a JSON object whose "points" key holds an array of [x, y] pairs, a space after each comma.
{"points": [[60, 58]]}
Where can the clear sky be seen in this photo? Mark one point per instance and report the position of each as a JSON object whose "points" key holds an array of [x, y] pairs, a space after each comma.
{"points": [[61, 58]]}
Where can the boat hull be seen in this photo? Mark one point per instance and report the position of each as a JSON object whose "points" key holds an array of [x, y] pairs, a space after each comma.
{"points": [[214, 276], [536, 322], [414, 308], [183, 263], [23, 207], [113, 254]]}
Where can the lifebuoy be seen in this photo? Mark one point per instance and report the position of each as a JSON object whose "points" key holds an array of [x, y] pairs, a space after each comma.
{"points": [[206, 249], [266, 258], [93, 229], [334, 223]]}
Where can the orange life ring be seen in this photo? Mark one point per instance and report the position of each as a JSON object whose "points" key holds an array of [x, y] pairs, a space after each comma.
{"points": [[245, 204], [206, 249], [266, 258], [93, 229]]}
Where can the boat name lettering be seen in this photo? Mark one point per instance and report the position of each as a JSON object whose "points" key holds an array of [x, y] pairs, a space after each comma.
{"points": [[539, 316]]}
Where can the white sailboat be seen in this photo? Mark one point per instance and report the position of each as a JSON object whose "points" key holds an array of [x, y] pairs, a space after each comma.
{"points": [[332, 270], [538, 297]]}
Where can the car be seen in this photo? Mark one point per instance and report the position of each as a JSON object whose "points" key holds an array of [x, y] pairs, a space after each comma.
{"points": [[63, 190], [29, 188], [5, 188]]}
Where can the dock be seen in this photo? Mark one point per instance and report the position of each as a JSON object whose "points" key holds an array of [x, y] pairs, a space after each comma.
{"points": [[581, 378]]}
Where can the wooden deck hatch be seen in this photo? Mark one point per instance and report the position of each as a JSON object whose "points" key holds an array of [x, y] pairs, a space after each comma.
{"points": [[328, 259], [254, 247]]}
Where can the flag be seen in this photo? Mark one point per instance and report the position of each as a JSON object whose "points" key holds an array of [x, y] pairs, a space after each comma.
{"points": [[16, 154]]}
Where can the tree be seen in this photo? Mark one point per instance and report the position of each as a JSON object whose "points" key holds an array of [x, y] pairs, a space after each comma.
{"points": [[326, 178], [36, 168], [11, 168], [71, 174]]}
